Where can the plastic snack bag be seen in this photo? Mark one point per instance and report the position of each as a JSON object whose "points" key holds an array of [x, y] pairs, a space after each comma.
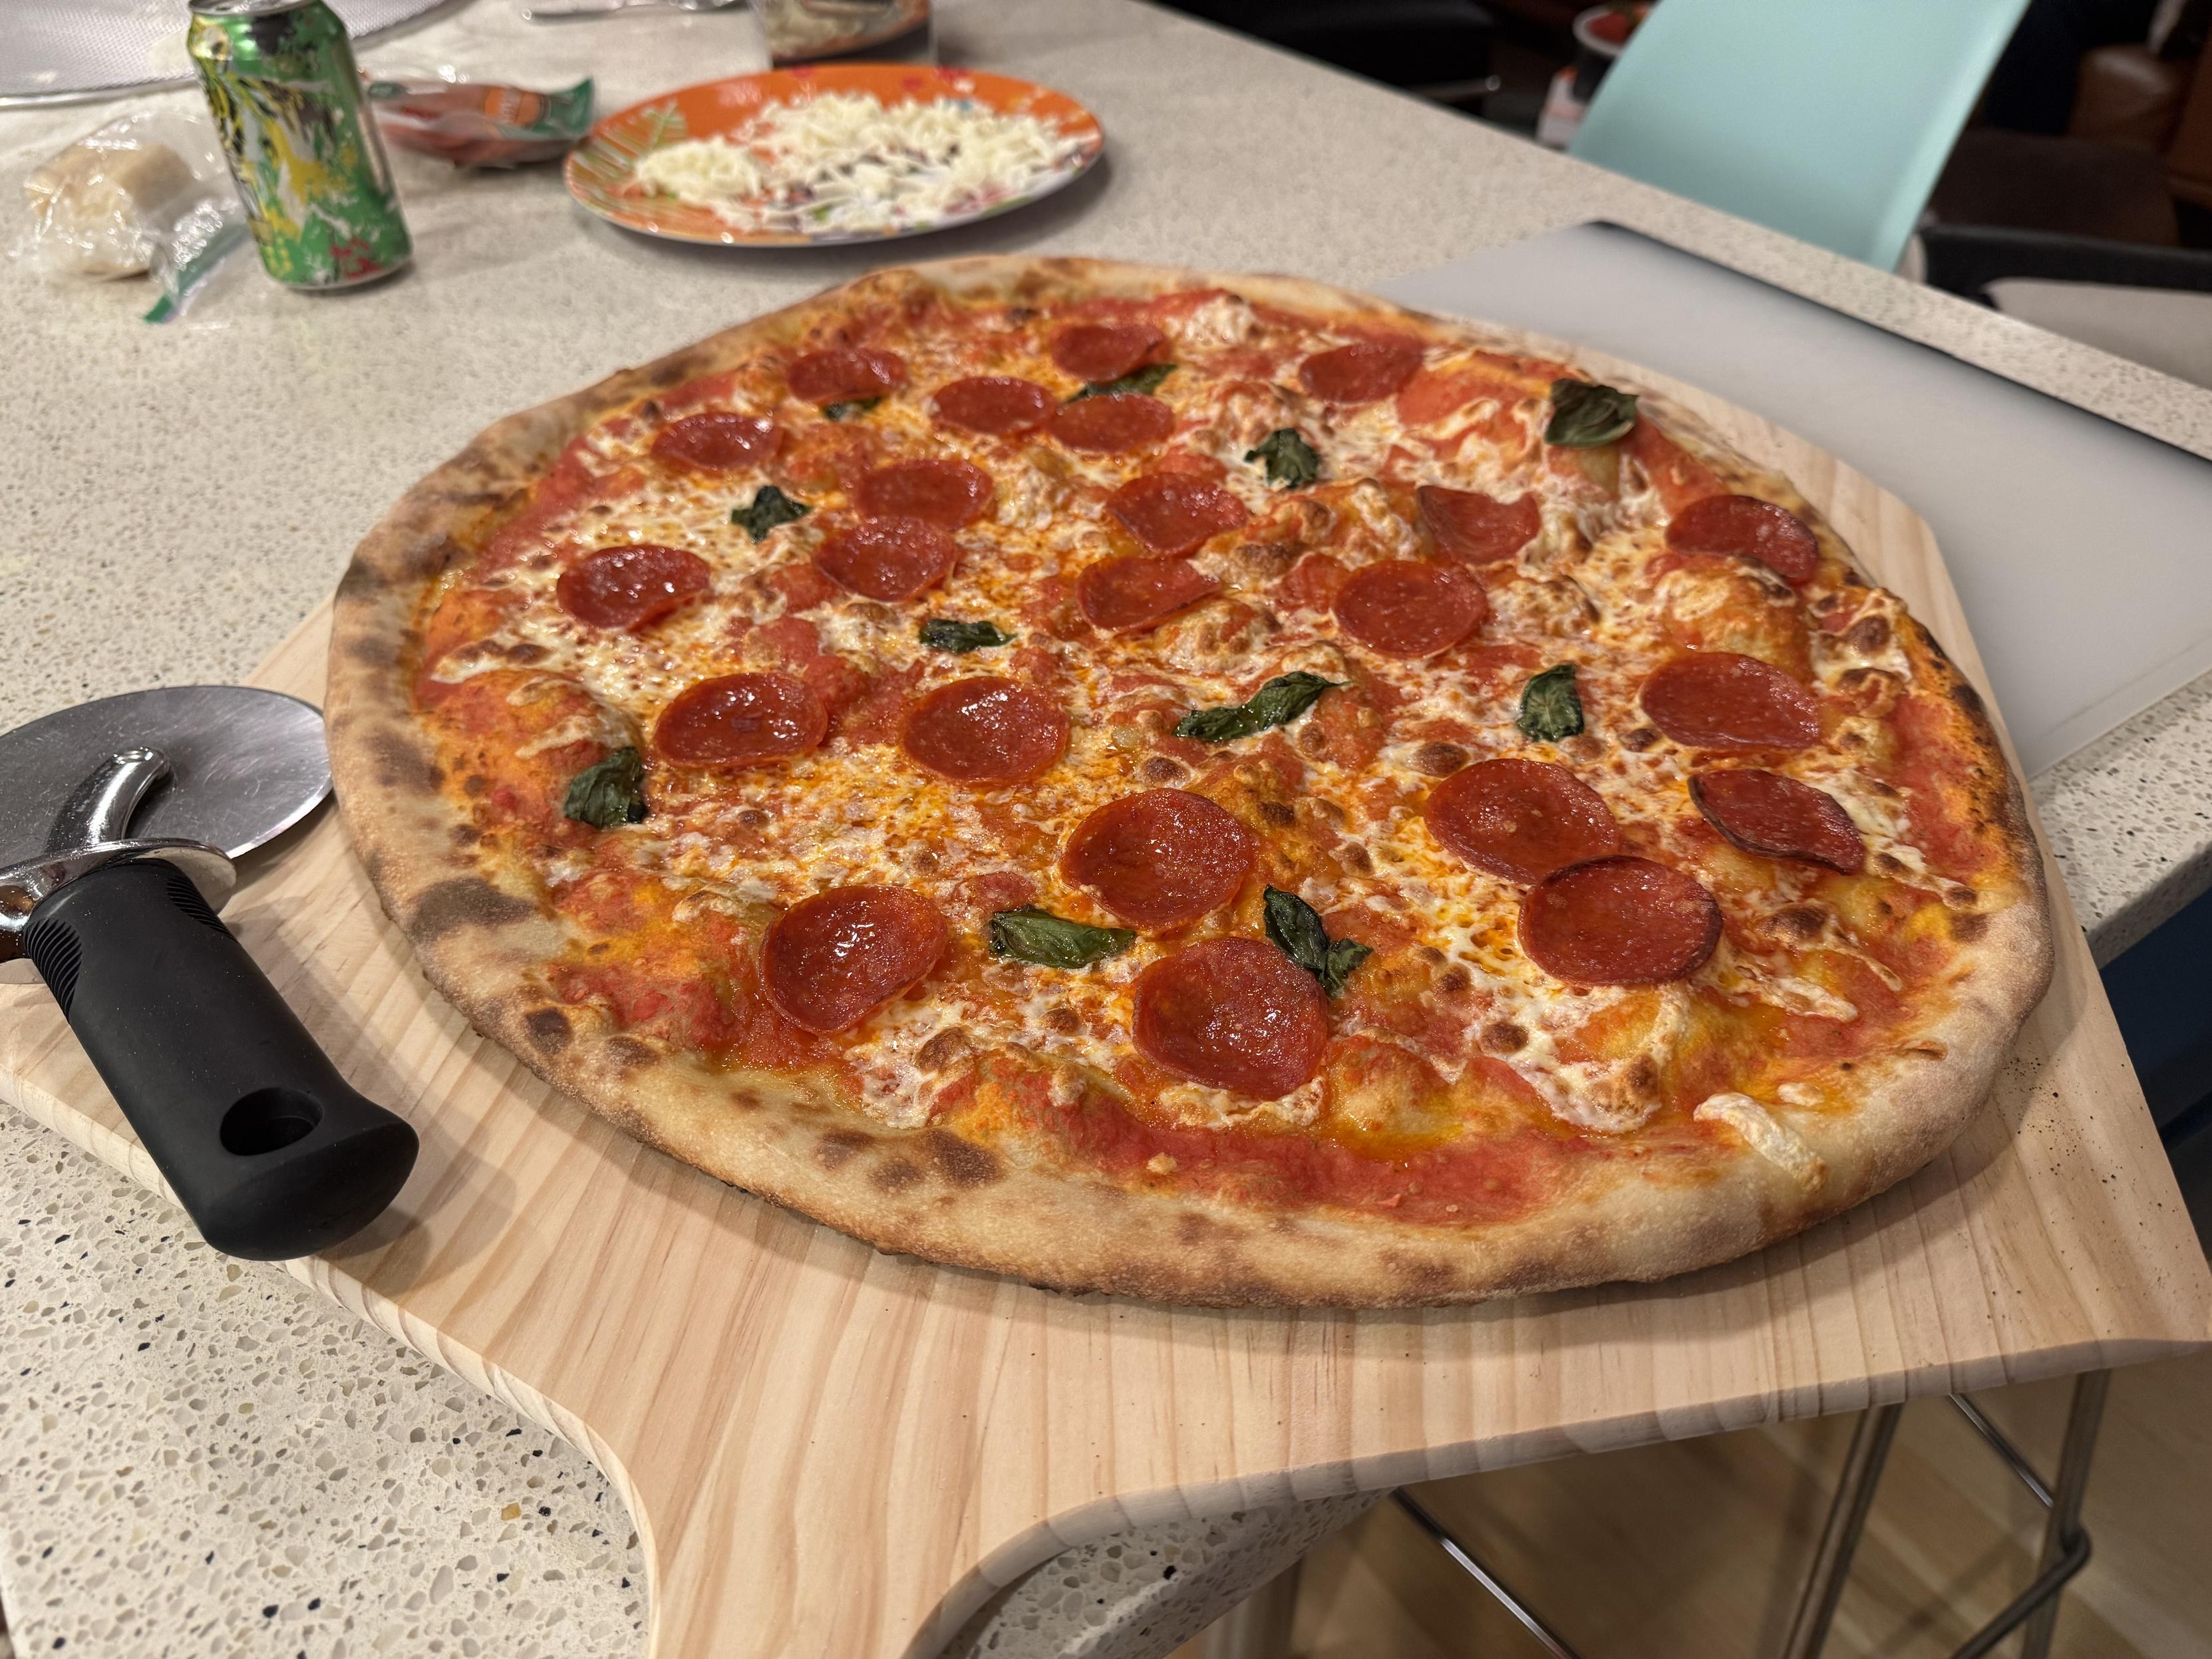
{"points": [[193, 252], [478, 124], [104, 205]]}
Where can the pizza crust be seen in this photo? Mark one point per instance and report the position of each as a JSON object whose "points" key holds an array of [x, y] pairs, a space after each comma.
{"points": [[479, 934]]}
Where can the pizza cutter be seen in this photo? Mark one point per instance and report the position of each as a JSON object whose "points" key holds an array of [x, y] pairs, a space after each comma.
{"points": [[123, 818]]}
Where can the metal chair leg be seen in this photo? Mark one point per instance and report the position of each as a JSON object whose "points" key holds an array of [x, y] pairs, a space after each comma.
{"points": [[1839, 1537], [2063, 1530], [2065, 1544]]}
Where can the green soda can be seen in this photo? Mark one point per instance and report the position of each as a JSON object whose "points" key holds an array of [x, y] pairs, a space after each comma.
{"points": [[280, 78]]}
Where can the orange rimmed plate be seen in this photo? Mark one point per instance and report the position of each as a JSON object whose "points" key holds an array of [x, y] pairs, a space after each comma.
{"points": [[601, 172]]}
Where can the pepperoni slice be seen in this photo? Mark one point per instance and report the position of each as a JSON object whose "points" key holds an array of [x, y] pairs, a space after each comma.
{"points": [[1175, 511], [888, 558], [1746, 525], [985, 730], [718, 441], [1618, 922], [1403, 608], [1106, 351], [631, 587], [741, 719], [1479, 528], [1361, 372], [1160, 858], [1235, 1014], [844, 373], [1720, 700], [1124, 595], [999, 403], [1109, 424], [952, 493], [831, 960], [1520, 819], [1765, 813]]}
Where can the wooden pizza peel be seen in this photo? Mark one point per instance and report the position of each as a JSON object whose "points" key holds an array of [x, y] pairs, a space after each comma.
{"points": [[829, 1451]]}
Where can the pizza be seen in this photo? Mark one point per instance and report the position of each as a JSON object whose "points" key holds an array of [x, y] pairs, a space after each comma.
{"points": [[1212, 788]]}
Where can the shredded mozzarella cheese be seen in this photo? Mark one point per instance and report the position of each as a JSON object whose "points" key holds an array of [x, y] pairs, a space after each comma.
{"points": [[844, 164]]}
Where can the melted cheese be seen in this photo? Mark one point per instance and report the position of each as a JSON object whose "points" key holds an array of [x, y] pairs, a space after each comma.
{"points": [[849, 813], [1772, 1138]]}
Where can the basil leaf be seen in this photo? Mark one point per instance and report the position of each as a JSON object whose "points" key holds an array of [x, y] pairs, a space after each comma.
{"points": [[1585, 415], [1551, 707], [1030, 934], [845, 408], [770, 508], [608, 794], [1146, 380], [1278, 702], [1291, 463], [944, 633], [1296, 928]]}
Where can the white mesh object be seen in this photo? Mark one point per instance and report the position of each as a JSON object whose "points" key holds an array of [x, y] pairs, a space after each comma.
{"points": [[88, 48]]}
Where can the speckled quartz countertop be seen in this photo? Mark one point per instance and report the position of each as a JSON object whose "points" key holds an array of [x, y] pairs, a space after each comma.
{"points": [[197, 1457]]}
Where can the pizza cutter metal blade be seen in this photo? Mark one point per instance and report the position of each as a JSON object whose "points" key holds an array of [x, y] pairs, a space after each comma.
{"points": [[119, 821]]}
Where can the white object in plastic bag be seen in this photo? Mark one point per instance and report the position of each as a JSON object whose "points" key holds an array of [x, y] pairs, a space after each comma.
{"points": [[104, 205]]}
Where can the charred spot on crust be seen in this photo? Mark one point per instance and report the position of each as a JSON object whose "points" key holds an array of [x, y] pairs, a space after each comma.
{"points": [[370, 650], [549, 1029], [893, 1175], [675, 371], [362, 580], [838, 1147], [465, 902], [1439, 760], [1967, 697], [465, 835], [632, 1054], [1191, 1228], [1422, 1276], [1967, 925], [961, 1162], [399, 763]]}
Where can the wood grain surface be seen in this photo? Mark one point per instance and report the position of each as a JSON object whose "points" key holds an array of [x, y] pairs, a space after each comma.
{"points": [[829, 1451]]}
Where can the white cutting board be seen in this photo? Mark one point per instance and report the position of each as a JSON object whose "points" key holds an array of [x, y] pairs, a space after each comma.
{"points": [[2083, 550]]}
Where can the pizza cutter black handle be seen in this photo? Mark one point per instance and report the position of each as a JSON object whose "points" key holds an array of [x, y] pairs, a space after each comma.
{"points": [[268, 1148]]}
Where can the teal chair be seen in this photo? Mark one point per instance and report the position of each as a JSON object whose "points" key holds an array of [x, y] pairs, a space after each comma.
{"points": [[1828, 119]]}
